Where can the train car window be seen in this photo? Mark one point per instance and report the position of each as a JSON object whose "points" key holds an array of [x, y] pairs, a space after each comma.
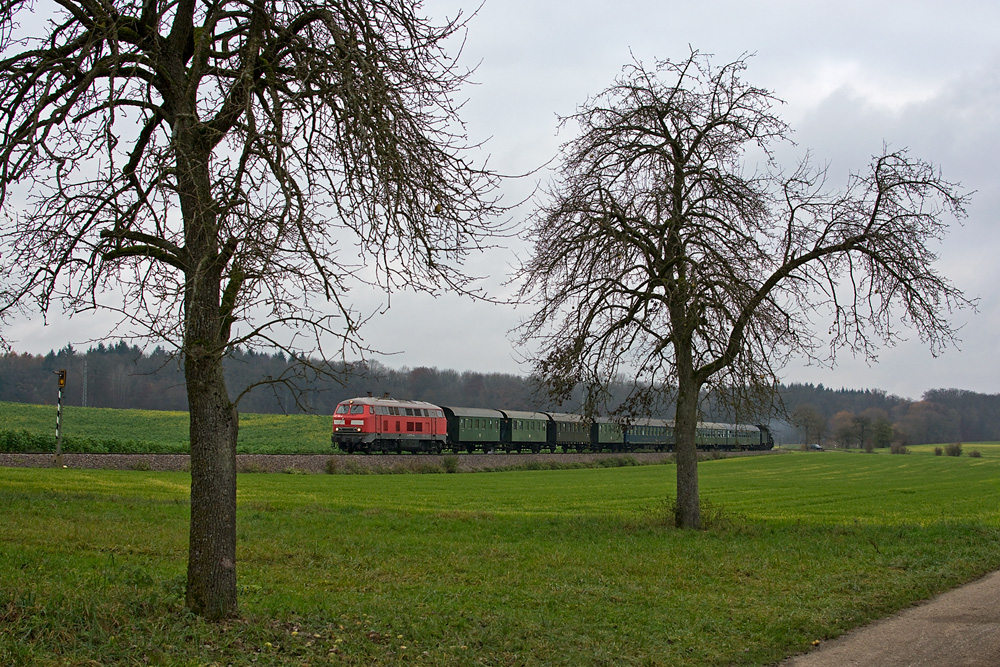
{"points": [[357, 409], [420, 427], [342, 409]]}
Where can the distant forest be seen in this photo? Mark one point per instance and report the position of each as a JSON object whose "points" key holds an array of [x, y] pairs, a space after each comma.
{"points": [[124, 376]]}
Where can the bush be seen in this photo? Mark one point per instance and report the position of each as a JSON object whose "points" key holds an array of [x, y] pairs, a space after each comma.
{"points": [[450, 463], [954, 449], [22, 442], [617, 462], [976, 454], [938, 451], [898, 448]]}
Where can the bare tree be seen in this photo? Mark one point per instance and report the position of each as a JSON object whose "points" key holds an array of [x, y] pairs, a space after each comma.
{"points": [[844, 428], [807, 417], [219, 172], [659, 255], [880, 431]]}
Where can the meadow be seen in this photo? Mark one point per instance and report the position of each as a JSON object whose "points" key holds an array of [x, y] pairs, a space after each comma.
{"points": [[558, 567], [31, 428]]}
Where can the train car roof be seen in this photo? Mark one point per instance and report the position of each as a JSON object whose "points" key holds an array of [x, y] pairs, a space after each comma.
{"points": [[473, 412], [606, 420], [565, 417], [385, 400], [651, 421], [731, 427], [521, 414]]}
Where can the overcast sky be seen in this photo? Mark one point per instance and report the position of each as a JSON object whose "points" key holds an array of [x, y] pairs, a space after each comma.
{"points": [[922, 75]]}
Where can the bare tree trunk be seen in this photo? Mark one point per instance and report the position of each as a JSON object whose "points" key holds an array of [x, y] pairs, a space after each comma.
{"points": [[688, 513], [211, 581]]}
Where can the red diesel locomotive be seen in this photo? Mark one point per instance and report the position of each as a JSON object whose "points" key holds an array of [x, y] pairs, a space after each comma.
{"points": [[388, 425]]}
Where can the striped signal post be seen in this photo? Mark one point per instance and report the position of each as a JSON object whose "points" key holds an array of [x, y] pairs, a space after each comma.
{"points": [[62, 384]]}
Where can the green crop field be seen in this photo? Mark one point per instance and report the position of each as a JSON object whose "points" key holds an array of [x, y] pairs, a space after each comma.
{"points": [[984, 449], [566, 567], [31, 428]]}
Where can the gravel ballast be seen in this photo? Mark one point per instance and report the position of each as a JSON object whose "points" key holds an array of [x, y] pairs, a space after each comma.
{"points": [[318, 463]]}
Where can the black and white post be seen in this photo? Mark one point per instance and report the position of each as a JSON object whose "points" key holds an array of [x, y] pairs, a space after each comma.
{"points": [[62, 384]]}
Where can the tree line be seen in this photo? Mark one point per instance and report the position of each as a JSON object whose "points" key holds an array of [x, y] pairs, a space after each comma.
{"points": [[872, 419], [120, 375]]}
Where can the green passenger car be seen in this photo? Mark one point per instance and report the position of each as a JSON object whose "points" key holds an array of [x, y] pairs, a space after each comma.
{"points": [[646, 433], [525, 431], [568, 431], [606, 434], [728, 437], [472, 429]]}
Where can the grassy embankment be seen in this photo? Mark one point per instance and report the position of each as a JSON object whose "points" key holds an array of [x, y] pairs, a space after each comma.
{"points": [[569, 567], [31, 428]]}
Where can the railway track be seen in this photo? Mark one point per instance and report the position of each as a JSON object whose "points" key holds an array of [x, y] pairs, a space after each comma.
{"points": [[323, 463]]}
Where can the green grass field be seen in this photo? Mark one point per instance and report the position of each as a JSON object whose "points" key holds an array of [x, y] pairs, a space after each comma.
{"points": [[986, 449], [567, 567], [31, 428]]}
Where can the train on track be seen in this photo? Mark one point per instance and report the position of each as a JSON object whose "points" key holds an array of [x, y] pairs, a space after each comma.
{"points": [[388, 425]]}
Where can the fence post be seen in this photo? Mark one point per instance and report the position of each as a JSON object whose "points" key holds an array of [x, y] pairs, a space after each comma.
{"points": [[62, 384]]}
